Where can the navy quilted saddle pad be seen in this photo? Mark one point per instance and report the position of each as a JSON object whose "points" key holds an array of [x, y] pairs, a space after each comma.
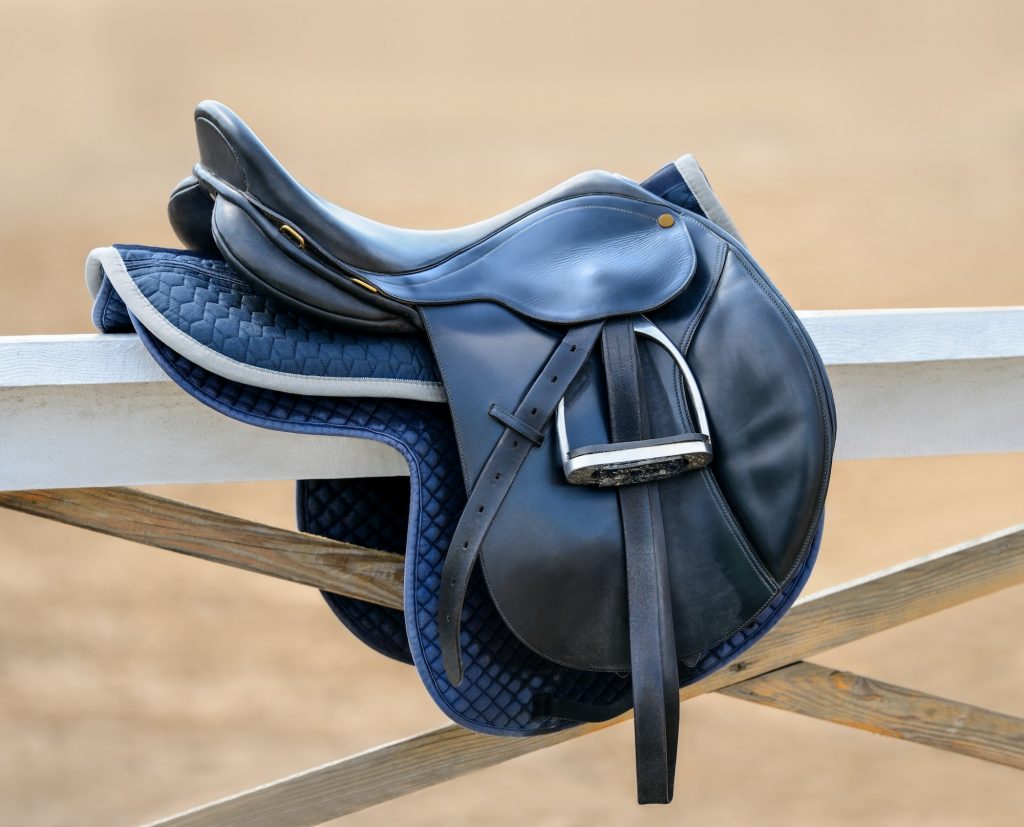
{"points": [[247, 355]]}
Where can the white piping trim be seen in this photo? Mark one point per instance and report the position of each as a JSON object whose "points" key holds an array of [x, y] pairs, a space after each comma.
{"points": [[107, 261], [697, 181]]}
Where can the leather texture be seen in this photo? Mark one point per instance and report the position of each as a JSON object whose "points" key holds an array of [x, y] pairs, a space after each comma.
{"points": [[190, 210], [247, 241], [573, 261], [522, 432], [340, 251], [232, 155], [586, 600]]}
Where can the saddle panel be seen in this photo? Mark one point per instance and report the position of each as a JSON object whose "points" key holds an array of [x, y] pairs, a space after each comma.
{"points": [[190, 211], [255, 247]]}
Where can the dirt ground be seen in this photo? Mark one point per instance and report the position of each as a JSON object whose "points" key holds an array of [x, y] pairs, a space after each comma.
{"points": [[872, 157]]}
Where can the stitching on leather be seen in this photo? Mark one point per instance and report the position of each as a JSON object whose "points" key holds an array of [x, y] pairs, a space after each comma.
{"points": [[716, 278], [690, 332], [522, 309], [819, 393], [732, 523], [231, 149], [737, 532], [251, 206], [811, 366], [456, 426], [247, 201]]}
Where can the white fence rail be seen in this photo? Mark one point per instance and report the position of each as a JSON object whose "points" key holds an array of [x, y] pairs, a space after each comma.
{"points": [[92, 410]]}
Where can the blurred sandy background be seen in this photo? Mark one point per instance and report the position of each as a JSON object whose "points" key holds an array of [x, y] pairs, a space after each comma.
{"points": [[872, 156]]}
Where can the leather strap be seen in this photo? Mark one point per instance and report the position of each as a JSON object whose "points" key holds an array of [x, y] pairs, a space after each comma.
{"points": [[534, 412], [653, 660], [516, 424]]}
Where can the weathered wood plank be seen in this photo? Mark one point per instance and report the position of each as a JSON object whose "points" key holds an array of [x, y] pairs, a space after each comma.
{"points": [[175, 526], [885, 709], [881, 601], [819, 622], [920, 587], [372, 777]]}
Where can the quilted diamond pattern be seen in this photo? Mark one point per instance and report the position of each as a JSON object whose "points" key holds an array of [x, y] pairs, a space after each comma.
{"points": [[205, 298], [109, 315], [371, 512]]}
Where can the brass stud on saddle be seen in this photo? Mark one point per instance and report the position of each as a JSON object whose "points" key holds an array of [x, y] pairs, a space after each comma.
{"points": [[666, 220]]}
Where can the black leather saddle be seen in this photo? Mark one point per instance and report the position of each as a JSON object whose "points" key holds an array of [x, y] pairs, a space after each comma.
{"points": [[645, 429]]}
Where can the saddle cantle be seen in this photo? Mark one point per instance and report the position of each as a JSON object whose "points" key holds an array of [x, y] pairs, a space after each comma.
{"points": [[625, 488]]}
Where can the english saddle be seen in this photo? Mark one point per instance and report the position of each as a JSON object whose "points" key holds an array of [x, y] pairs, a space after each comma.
{"points": [[623, 487]]}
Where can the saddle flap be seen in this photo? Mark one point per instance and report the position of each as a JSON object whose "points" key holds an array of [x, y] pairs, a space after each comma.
{"points": [[552, 556], [574, 261]]}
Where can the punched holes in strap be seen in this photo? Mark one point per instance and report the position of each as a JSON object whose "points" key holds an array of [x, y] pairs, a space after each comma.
{"points": [[533, 413]]}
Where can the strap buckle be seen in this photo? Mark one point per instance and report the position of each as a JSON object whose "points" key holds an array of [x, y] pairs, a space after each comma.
{"points": [[648, 460]]}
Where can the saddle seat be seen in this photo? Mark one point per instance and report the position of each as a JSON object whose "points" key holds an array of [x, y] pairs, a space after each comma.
{"points": [[360, 273]]}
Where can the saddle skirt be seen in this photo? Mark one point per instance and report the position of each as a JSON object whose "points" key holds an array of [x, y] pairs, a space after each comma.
{"points": [[619, 436]]}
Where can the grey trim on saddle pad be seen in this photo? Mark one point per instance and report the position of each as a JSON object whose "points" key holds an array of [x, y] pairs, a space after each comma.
{"points": [[107, 261]]}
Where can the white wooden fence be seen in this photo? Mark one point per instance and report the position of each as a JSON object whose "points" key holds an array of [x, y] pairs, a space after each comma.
{"points": [[81, 414]]}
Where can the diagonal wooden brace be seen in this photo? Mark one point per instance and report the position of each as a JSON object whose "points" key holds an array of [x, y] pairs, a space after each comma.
{"points": [[771, 673]]}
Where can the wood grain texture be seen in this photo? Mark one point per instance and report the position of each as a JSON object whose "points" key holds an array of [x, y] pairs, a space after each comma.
{"points": [[380, 774], [822, 621], [175, 526], [886, 709]]}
